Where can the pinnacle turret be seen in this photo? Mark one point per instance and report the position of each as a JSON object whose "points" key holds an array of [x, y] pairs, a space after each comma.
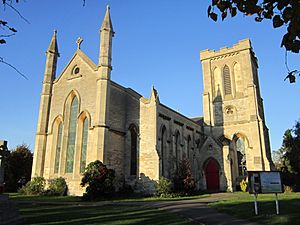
{"points": [[107, 24], [53, 48], [106, 35]]}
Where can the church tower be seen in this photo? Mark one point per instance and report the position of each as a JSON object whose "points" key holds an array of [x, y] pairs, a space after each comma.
{"points": [[233, 107], [42, 127], [103, 87]]}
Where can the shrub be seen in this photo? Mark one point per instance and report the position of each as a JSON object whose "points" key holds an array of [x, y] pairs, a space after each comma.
{"points": [[244, 184], [288, 189], [34, 187], [98, 179], [163, 187], [57, 187], [184, 181], [189, 184]]}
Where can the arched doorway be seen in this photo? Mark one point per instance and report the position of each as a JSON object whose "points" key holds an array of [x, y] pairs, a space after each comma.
{"points": [[212, 175]]}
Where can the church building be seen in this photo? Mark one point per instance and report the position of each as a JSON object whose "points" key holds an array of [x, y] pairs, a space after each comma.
{"points": [[85, 116]]}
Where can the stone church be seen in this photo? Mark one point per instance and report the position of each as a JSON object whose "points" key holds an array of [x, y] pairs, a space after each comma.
{"points": [[85, 116]]}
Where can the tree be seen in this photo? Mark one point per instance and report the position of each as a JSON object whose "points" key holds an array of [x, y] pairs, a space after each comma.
{"points": [[98, 179], [281, 12], [289, 157], [17, 167]]}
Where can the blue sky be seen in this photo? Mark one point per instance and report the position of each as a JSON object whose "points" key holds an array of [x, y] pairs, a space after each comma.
{"points": [[156, 43]]}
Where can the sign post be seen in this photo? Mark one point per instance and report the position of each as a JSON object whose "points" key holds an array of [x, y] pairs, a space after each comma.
{"points": [[277, 205], [263, 182], [255, 204]]}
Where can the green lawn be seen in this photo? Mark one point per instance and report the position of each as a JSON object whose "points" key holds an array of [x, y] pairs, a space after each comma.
{"points": [[44, 213], [20, 197], [242, 206], [72, 210]]}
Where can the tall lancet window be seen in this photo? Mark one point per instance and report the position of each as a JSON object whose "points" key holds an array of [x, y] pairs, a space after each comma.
{"points": [[227, 80], [177, 149], [133, 150], [58, 148], [188, 149], [241, 157], [163, 151], [84, 145], [72, 135]]}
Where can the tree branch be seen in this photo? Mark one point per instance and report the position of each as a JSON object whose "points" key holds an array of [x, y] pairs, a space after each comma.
{"points": [[11, 66], [14, 9], [6, 35]]}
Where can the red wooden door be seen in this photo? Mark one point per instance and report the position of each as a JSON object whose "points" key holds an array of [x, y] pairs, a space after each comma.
{"points": [[212, 175]]}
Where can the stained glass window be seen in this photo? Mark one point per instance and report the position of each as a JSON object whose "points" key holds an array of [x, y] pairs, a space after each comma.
{"points": [[227, 81], [72, 136], [58, 148], [84, 145]]}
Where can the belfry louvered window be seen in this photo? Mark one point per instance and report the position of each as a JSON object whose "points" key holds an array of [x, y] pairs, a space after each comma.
{"points": [[227, 80]]}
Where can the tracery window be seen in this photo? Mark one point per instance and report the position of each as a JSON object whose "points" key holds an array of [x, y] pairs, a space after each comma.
{"points": [[227, 80], [84, 145], [58, 148], [72, 135]]}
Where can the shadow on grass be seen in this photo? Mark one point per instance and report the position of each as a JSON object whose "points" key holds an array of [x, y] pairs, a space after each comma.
{"points": [[289, 211], [109, 214]]}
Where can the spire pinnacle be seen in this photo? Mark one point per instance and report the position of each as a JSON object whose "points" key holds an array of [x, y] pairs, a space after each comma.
{"points": [[107, 24], [53, 48]]}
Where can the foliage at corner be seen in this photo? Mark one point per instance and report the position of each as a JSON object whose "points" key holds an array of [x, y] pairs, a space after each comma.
{"points": [[184, 181], [163, 188], [288, 158], [244, 184], [98, 180], [17, 167], [34, 187], [57, 187], [281, 12]]}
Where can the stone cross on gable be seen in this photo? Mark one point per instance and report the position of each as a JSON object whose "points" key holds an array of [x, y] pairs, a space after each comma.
{"points": [[79, 41]]}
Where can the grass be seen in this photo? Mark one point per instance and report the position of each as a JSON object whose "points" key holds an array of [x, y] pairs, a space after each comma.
{"points": [[43, 213], [242, 206], [20, 197], [128, 198], [111, 211]]}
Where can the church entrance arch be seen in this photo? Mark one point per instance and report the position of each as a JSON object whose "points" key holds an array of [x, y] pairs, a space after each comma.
{"points": [[211, 169]]}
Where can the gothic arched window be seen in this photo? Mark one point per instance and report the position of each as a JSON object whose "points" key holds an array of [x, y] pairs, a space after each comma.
{"points": [[227, 80], [177, 148], [84, 144], [58, 148], [241, 156], [72, 135], [163, 150], [133, 150], [188, 146]]}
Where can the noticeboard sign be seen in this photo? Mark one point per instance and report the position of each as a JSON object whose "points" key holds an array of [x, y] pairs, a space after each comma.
{"points": [[263, 182]]}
